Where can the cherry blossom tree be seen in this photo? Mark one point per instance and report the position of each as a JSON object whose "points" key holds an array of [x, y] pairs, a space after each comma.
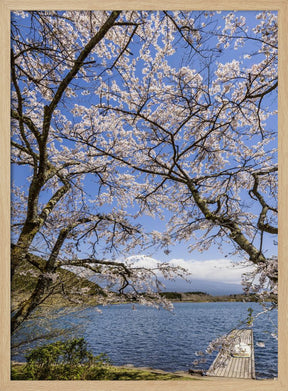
{"points": [[54, 56], [163, 113], [199, 127]]}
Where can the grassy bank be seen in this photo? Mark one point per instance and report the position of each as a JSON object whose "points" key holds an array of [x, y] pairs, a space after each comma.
{"points": [[107, 372]]}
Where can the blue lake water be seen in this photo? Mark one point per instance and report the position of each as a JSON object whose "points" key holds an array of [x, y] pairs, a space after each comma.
{"points": [[165, 340]]}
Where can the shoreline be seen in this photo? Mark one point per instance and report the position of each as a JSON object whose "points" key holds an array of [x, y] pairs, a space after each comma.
{"points": [[126, 372]]}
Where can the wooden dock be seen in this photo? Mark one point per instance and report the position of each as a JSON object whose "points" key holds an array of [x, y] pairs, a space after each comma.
{"points": [[238, 360]]}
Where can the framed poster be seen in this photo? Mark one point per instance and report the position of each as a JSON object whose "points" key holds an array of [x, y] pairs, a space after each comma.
{"points": [[139, 137]]}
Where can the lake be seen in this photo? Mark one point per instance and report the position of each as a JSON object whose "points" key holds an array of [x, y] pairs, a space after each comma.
{"points": [[148, 337], [164, 340]]}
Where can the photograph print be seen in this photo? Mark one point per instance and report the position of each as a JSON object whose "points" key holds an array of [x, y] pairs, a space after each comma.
{"points": [[144, 195]]}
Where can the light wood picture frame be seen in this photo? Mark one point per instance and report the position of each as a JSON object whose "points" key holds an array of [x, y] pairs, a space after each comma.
{"points": [[203, 384]]}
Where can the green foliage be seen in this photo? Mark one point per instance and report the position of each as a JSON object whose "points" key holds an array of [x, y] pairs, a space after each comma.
{"points": [[63, 360], [172, 295], [198, 293], [250, 317]]}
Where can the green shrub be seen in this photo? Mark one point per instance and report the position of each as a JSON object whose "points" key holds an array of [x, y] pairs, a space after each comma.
{"points": [[63, 360]]}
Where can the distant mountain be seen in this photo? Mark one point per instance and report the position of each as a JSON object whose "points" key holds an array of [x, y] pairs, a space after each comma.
{"points": [[211, 287]]}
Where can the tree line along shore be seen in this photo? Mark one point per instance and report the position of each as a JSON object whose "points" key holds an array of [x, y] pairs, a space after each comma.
{"points": [[202, 297]]}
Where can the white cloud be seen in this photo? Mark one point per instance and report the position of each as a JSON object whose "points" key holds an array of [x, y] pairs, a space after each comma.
{"points": [[219, 270]]}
